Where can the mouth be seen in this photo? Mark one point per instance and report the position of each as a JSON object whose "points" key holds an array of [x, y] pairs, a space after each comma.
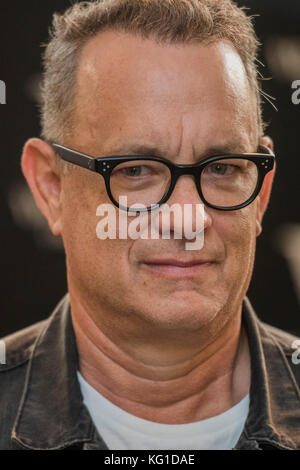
{"points": [[174, 268]]}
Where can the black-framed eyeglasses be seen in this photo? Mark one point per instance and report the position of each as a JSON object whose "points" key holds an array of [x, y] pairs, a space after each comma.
{"points": [[224, 182]]}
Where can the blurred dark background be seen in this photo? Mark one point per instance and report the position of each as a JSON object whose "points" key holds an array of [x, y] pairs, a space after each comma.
{"points": [[32, 276]]}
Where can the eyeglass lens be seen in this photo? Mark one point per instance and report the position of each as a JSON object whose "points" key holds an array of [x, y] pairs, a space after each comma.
{"points": [[224, 183]]}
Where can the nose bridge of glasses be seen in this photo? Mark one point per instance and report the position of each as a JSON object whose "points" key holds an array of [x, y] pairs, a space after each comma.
{"points": [[181, 170], [184, 170]]}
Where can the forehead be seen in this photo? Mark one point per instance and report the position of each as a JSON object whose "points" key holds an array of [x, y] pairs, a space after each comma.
{"points": [[137, 88]]}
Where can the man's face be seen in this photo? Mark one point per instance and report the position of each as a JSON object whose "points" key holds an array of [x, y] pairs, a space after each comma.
{"points": [[189, 102]]}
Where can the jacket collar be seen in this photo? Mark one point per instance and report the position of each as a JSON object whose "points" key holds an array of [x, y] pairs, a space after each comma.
{"points": [[274, 394], [52, 415]]}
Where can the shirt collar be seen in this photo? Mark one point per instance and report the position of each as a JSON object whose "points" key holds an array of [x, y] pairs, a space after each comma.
{"points": [[52, 415]]}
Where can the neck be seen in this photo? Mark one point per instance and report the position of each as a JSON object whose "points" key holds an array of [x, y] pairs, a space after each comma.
{"points": [[162, 381]]}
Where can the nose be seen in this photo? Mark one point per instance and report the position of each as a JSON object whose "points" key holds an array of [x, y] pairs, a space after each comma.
{"points": [[188, 214]]}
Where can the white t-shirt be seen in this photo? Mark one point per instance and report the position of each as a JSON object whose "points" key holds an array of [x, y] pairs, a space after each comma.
{"points": [[123, 431]]}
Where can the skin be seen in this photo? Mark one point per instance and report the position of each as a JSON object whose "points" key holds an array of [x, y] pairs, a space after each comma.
{"points": [[161, 343]]}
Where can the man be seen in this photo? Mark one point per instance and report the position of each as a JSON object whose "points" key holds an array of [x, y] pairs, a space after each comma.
{"points": [[154, 346]]}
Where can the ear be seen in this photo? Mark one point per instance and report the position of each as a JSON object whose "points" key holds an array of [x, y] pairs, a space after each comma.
{"points": [[40, 168], [265, 192]]}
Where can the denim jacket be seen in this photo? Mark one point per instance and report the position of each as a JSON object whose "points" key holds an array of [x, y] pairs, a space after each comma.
{"points": [[41, 406]]}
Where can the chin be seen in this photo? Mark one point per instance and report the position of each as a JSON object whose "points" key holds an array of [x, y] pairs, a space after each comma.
{"points": [[185, 314]]}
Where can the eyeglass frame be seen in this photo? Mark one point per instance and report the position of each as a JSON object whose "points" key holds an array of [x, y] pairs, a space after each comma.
{"points": [[105, 165]]}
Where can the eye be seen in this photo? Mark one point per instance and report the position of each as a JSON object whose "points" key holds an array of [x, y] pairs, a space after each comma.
{"points": [[221, 168], [133, 171], [139, 170]]}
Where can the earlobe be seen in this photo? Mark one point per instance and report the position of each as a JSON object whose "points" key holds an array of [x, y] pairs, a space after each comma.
{"points": [[40, 170], [258, 228]]}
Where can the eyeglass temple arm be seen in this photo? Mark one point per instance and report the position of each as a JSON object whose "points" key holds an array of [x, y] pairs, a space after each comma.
{"points": [[266, 150], [75, 157]]}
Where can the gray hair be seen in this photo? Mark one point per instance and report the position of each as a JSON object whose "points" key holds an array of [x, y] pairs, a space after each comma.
{"points": [[167, 21]]}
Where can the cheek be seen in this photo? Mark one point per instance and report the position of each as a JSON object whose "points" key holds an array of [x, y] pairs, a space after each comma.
{"points": [[237, 232], [89, 258], [82, 193]]}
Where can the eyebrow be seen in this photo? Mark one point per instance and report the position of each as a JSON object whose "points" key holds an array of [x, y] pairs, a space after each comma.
{"points": [[142, 149], [139, 149]]}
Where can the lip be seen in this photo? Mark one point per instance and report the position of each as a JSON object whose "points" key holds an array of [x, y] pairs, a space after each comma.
{"points": [[178, 262], [174, 268]]}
